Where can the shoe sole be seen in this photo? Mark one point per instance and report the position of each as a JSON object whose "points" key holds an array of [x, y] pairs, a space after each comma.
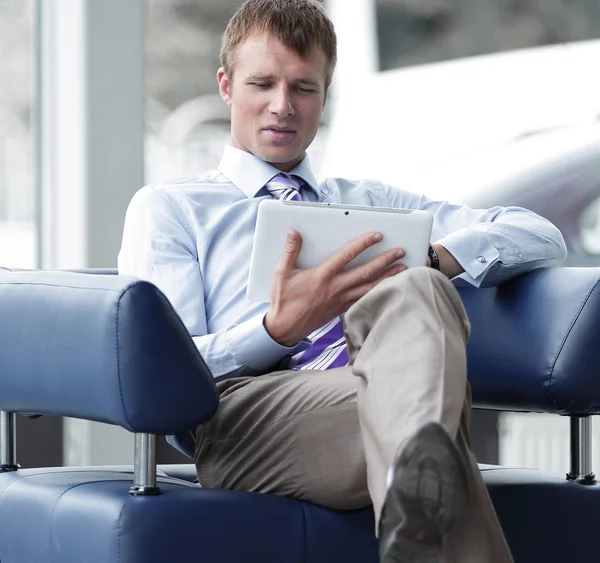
{"points": [[429, 484]]}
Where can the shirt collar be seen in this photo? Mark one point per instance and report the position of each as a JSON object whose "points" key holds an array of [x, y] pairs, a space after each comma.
{"points": [[250, 174]]}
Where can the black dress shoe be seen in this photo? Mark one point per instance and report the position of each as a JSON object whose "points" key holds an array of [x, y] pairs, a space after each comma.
{"points": [[428, 492]]}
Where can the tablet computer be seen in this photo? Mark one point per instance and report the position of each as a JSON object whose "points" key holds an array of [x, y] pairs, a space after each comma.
{"points": [[327, 227]]}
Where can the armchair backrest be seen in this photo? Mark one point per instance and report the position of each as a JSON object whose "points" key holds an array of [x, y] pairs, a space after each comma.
{"points": [[111, 348]]}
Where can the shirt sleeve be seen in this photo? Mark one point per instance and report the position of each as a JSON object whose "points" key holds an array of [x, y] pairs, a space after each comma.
{"points": [[492, 245], [159, 246]]}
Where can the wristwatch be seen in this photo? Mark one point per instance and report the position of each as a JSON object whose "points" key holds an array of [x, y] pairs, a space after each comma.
{"points": [[433, 257]]}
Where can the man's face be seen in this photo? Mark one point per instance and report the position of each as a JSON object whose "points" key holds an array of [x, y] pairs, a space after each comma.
{"points": [[276, 99]]}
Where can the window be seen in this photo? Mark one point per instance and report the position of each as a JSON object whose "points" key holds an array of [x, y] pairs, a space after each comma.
{"points": [[590, 228], [187, 124], [17, 140], [424, 31]]}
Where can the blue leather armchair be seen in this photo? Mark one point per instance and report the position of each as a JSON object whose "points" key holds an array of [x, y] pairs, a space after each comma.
{"points": [[111, 349]]}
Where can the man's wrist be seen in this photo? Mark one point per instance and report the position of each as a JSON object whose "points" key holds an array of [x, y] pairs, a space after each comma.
{"points": [[278, 336], [449, 266]]}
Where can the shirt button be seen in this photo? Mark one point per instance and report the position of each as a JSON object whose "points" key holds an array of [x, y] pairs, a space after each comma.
{"points": [[520, 256], [481, 259]]}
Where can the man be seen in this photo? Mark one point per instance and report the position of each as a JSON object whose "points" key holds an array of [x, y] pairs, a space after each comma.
{"points": [[387, 422]]}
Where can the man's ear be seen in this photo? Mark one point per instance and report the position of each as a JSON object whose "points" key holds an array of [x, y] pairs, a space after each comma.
{"points": [[224, 86]]}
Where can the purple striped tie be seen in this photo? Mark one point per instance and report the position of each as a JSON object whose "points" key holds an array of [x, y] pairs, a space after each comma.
{"points": [[285, 187], [329, 345]]}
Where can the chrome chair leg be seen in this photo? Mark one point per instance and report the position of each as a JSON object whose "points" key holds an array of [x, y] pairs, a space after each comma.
{"points": [[144, 466], [581, 451], [8, 442]]}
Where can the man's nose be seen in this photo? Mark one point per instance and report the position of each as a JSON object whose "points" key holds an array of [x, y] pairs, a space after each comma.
{"points": [[281, 103]]}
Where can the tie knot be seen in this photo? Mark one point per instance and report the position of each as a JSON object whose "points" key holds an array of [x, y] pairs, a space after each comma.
{"points": [[285, 187]]}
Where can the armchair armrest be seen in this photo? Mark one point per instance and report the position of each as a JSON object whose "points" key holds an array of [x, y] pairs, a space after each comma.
{"points": [[102, 347], [534, 341]]}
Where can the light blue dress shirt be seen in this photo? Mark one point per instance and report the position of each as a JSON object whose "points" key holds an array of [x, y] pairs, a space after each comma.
{"points": [[192, 237]]}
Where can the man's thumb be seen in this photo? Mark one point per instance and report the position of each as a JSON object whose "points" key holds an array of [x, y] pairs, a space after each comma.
{"points": [[293, 245]]}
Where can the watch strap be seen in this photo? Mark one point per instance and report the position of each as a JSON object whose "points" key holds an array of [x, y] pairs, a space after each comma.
{"points": [[433, 258]]}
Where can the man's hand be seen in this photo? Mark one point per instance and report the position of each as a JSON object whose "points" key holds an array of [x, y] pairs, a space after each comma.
{"points": [[304, 300]]}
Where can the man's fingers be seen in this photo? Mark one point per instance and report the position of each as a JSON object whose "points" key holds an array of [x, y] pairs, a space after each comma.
{"points": [[288, 260], [373, 268], [345, 255], [354, 294]]}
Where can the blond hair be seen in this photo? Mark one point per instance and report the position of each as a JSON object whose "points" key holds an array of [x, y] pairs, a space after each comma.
{"points": [[300, 24]]}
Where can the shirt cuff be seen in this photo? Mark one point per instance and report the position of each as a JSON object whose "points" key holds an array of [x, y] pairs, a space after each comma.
{"points": [[252, 346], [473, 252]]}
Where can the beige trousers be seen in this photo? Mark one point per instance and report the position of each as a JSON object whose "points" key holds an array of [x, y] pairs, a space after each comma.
{"points": [[329, 437]]}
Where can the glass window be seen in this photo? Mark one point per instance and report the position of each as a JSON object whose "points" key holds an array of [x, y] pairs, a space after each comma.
{"points": [[590, 228], [187, 124], [424, 31], [17, 177]]}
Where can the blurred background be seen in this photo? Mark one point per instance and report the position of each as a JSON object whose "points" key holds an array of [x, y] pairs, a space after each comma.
{"points": [[477, 101]]}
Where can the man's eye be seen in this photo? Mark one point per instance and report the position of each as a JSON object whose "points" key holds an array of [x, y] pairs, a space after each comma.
{"points": [[261, 85]]}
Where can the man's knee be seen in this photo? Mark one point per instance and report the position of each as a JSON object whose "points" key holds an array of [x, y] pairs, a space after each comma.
{"points": [[409, 291], [420, 275], [429, 285], [420, 280]]}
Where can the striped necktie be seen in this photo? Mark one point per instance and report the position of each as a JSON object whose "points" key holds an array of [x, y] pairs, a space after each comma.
{"points": [[329, 345], [285, 187]]}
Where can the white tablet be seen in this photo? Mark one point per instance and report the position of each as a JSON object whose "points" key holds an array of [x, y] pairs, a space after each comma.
{"points": [[327, 227]]}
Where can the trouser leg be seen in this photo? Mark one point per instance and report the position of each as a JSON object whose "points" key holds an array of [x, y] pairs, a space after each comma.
{"points": [[406, 340], [288, 433]]}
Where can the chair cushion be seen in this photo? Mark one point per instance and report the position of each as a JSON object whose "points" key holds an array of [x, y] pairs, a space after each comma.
{"points": [[70, 515], [546, 519], [533, 506], [73, 516]]}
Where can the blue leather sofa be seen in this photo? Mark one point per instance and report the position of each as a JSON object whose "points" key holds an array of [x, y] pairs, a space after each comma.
{"points": [[111, 349]]}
